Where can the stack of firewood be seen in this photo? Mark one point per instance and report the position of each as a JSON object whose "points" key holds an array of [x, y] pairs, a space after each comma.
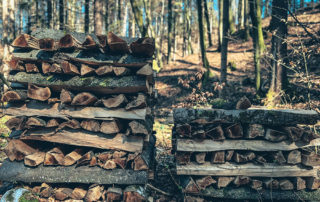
{"points": [[80, 110], [247, 154]]}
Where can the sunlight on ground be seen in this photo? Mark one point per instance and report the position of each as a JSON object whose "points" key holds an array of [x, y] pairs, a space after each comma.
{"points": [[4, 133], [163, 134]]}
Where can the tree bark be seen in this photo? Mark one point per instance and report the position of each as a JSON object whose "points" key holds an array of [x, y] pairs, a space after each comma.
{"points": [[8, 25], [206, 14], [220, 29], [139, 17], [224, 45], [170, 21], [98, 9], [49, 13], [232, 26], [246, 21], [61, 15], [86, 16]]}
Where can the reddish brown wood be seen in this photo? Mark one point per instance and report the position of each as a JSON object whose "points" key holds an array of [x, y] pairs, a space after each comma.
{"points": [[312, 183], [138, 103], [137, 128], [105, 156], [86, 70], [68, 41], [63, 193], [73, 123], [52, 123], [110, 164], [25, 41], [17, 123], [312, 159], [69, 68], [204, 182], [119, 154], [224, 181], [114, 194], [90, 125], [38, 93], [54, 157], [35, 122], [66, 96], [31, 68], [216, 133], [254, 131], [85, 159], [17, 150], [116, 44], [110, 127], [241, 180], [16, 65], [256, 184], [218, 157], [191, 186], [234, 131], [46, 191], [78, 194], [294, 133], [94, 193], [47, 44], [294, 157], [115, 102], [104, 70], [121, 71], [121, 162], [300, 183], [89, 42], [45, 67], [143, 47], [34, 159], [14, 96], [84, 98], [140, 164], [55, 68], [72, 157]]}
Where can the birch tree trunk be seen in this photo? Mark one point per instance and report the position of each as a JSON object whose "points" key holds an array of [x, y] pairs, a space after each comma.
{"points": [[206, 14], [98, 17]]}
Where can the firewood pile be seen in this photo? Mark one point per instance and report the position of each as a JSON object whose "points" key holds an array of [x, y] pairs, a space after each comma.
{"points": [[81, 114], [253, 153]]}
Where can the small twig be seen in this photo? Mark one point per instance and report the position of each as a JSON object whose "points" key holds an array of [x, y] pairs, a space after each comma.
{"points": [[158, 190], [174, 180]]}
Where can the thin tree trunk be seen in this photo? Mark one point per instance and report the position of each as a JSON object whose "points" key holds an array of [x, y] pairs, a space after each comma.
{"points": [[220, 5], [8, 26], [240, 14], [37, 14], [98, 17], [266, 11], [206, 14], [119, 20], [301, 3], [49, 13], [106, 16], [224, 45], [246, 21], [125, 19], [138, 17], [189, 48], [86, 16], [61, 14], [170, 21], [232, 26]]}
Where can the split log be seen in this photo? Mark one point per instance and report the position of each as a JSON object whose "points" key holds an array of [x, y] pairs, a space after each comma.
{"points": [[93, 161], [243, 103], [45, 67], [55, 68], [72, 157], [46, 190], [34, 159], [200, 157], [229, 155], [137, 103], [73, 123], [308, 136], [261, 160], [312, 159], [119, 154], [78, 194], [286, 185], [254, 131], [137, 128], [274, 117], [115, 102], [121, 71], [224, 181], [31, 68], [294, 133], [17, 150], [183, 158], [69, 68], [242, 158], [35, 122], [198, 134], [14, 96], [110, 164], [143, 47], [104, 156], [140, 163], [47, 44], [53, 100], [16, 65], [110, 127], [279, 158], [68, 42], [52, 123], [54, 157], [300, 183], [66, 96], [89, 43], [90, 125], [234, 131], [241, 180], [85, 70], [256, 184], [312, 183], [17, 123], [121, 162], [294, 157], [183, 130], [216, 133], [104, 70], [25, 41], [117, 45], [94, 193], [102, 40], [36, 189], [85, 159], [275, 136], [134, 193], [38, 93], [146, 70], [63, 193], [272, 184], [189, 185], [193, 199], [84, 98], [204, 182], [114, 194], [218, 157]]}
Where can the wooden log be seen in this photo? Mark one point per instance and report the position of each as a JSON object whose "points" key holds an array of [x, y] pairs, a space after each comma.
{"points": [[54, 157], [46, 190], [193, 199], [198, 134], [89, 43], [68, 41], [93, 161], [138, 103], [117, 45], [52, 123], [78, 193], [272, 184], [216, 133], [53, 100], [16, 65], [17, 150], [134, 193], [66, 96], [189, 185], [312, 183], [138, 128], [121, 162], [90, 125], [143, 47], [102, 40], [47, 44], [119, 154], [94, 193], [224, 181], [286, 184], [17, 123], [183, 130], [73, 123], [275, 136], [300, 184], [242, 158], [100, 85], [115, 102], [84, 99], [294, 133], [312, 159], [251, 145], [204, 182], [249, 116], [104, 70], [256, 184], [140, 164], [234, 131], [229, 155], [200, 157], [63, 193], [55, 68], [17, 171], [35, 122], [104, 156], [38, 93], [183, 158], [243, 103], [261, 160], [110, 164], [254, 131], [14, 96], [110, 127], [72, 157], [69, 68], [45, 67], [148, 72], [25, 41], [114, 194], [34, 159], [121, 71], [85, 70], [241, 180], [31, 67], [218, 157], [309, 136], [279, 158], [294, 157]]}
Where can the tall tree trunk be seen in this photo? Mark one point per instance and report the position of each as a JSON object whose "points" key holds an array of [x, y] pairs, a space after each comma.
{"points": [[301, 3], [61, 14], [224, 45], [220, 5], [98, 17], [240, 14], [125, 19], [206, 14], [266, 11], [279, 49], [137, 12], [258, 42], [37, 14], [106, 16], [8, 26], [205, 62], [246, 21], [86, 16], [170, 21], [189, 30], [232, 26], [49, 13]]}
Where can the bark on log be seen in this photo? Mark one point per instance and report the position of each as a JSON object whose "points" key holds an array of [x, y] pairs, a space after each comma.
{"points": [[89, 43], [45, 67], [121, 71], [68, 42], [224, 181], [218, 157], [254, 131], [84, 99], [17, 150], [66, 96], [69, 68], [189, 185], [14, 96], [34, 159], [78, 194], [137, 103], [117, 45], [25, 41], [17, 123], [90, 125], [312, 159], [143, 47], [72, 157], [115, 102], [204, 182], [110, 127], [243, 103], [275, 135], [183, 130], [85, 70], [73, 124], [114, 194], [294, 157], [35, 122], [47, 44], [234, 131], [104, 70], [31, 68], [216, 133], [200, 157], [38, 93], [16, 65], [54, 157]]}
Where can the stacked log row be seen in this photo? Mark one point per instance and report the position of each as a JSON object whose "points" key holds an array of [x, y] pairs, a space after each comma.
{"points": [[235, 153], [81, 112]]}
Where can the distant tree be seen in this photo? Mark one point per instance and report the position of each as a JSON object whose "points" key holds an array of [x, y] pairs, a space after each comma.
{"points": [[241, 14], [224, 45], [61, 15], [301, 3], [246, 21], [49, 13], [170, 22], [266, 8], [232, 26], [86, 15], [206, 14], [220, 29], [98, 9], [138, 15], [8, 26]]}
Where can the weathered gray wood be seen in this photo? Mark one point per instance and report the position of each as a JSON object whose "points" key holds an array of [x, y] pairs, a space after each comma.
{"points": [[41, 109], [252, 115], [17, 171], [87, 139], [243, 193], [254, 145], [249, 169], [103, 85]]}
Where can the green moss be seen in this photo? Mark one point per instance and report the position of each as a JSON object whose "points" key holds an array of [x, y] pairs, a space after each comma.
{"points": [[10, 196], [232, 66], [218, 103], [28, 197]]}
